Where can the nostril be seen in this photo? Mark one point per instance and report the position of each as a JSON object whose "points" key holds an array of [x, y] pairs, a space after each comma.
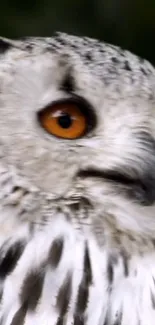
{"points": [[16, 189]]}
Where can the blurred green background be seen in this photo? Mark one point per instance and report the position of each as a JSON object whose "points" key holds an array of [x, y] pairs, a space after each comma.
{"points": [[128, 23]]}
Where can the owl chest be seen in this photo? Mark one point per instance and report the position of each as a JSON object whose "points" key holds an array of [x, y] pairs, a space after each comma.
{"points": [[61, 279]]}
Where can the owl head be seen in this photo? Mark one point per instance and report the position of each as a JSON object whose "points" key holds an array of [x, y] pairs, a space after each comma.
{"points": [[77, 121]]}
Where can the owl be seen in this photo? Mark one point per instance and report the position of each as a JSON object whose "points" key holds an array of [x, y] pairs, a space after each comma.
{"points": [[77, 183]]}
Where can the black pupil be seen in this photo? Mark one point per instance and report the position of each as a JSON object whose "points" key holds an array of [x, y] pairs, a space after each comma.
{"points": [[65, 121]]}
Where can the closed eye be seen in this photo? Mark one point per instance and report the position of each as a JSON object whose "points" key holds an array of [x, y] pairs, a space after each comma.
{"points": [[113, 176], [141, 190]]}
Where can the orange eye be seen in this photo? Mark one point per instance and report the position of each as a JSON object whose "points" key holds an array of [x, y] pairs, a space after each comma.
{"points": [[64, 120]]}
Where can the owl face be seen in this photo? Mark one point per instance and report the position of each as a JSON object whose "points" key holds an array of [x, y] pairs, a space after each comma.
{"points": [[77, 183], [77, 121]]}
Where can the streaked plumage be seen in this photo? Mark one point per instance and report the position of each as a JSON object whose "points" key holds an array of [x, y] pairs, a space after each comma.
{"points": [[77, 217]]}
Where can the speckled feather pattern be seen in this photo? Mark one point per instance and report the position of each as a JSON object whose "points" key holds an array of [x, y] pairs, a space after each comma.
{"points": [[77, 217]]}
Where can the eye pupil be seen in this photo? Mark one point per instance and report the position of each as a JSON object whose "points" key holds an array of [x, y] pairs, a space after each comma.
{"points": [[65, 121]]}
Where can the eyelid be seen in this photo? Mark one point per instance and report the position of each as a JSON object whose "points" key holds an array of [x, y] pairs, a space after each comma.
{"points": [[83, 105]]}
